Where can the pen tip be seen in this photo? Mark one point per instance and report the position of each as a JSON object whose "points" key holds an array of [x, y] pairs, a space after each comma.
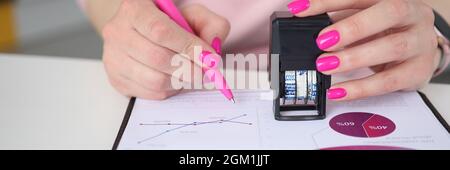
{"points": [[232, 100]]}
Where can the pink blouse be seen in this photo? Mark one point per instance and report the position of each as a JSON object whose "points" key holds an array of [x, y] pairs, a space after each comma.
{"points": [[249, 19]]}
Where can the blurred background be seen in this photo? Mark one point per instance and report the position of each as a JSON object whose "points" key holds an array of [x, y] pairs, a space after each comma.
{"points": [[57, 28], [47, 27]]}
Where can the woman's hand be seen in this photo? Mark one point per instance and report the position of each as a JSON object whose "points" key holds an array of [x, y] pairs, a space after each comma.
{"points": [[140, 42], [396, 38]]}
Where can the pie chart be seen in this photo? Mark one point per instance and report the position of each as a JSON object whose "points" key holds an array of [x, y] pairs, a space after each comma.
{"points": [[365, 147], [361, 124]]}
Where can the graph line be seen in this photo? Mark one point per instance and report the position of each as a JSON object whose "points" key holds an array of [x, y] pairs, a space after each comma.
{"points": [[183, 125]]}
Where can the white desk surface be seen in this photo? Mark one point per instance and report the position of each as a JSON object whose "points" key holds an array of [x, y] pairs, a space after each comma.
{"points": [[60, 103]]}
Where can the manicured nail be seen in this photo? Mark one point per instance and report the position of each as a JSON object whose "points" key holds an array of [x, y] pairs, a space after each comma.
{"points": [[336, 93], [328, 39], [203, 55], [327, 63], [209, 60], [298, 6], [210, 75], [217, 45]]}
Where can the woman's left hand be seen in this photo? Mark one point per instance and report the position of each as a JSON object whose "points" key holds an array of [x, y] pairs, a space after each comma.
{"points": [[396, 38]]}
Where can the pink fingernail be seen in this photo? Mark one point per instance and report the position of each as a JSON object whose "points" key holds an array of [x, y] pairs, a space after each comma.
{"points": [[298, 6], [328, 39], [327, 63], [203, 55], [217, 45], [210, 74], [336, 93], [209, 60]]}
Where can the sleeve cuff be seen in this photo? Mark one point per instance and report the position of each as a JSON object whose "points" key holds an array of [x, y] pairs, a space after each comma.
{"points": [[444, 45]]}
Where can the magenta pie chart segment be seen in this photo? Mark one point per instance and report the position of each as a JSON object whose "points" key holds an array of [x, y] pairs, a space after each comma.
{"points": [[361, 124]]}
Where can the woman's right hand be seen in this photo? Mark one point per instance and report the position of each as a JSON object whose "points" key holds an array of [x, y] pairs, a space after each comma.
{"points": [[140, 42]]}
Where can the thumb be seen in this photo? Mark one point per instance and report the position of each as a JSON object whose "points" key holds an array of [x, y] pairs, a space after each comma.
{"points": [[206, 24]]}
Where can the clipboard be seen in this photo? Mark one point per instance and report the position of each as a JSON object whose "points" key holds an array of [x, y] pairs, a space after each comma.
{"points": [[130, 107]]}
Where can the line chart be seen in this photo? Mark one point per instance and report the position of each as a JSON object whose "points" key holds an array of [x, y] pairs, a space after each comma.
{"points": [[233, 120]]}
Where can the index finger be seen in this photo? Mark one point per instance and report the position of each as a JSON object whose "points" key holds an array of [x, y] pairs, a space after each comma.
{"points": [[303, 8], [371, 21], [158, 28]]}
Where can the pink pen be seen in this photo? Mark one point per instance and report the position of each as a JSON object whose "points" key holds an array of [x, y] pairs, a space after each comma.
{"points": [[168, 7]]}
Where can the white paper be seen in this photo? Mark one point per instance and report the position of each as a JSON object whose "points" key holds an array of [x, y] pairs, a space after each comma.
{"points": [[206, 120]]}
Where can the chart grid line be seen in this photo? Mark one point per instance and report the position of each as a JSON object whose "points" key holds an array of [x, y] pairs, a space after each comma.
{"points": [[183, 125]]}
